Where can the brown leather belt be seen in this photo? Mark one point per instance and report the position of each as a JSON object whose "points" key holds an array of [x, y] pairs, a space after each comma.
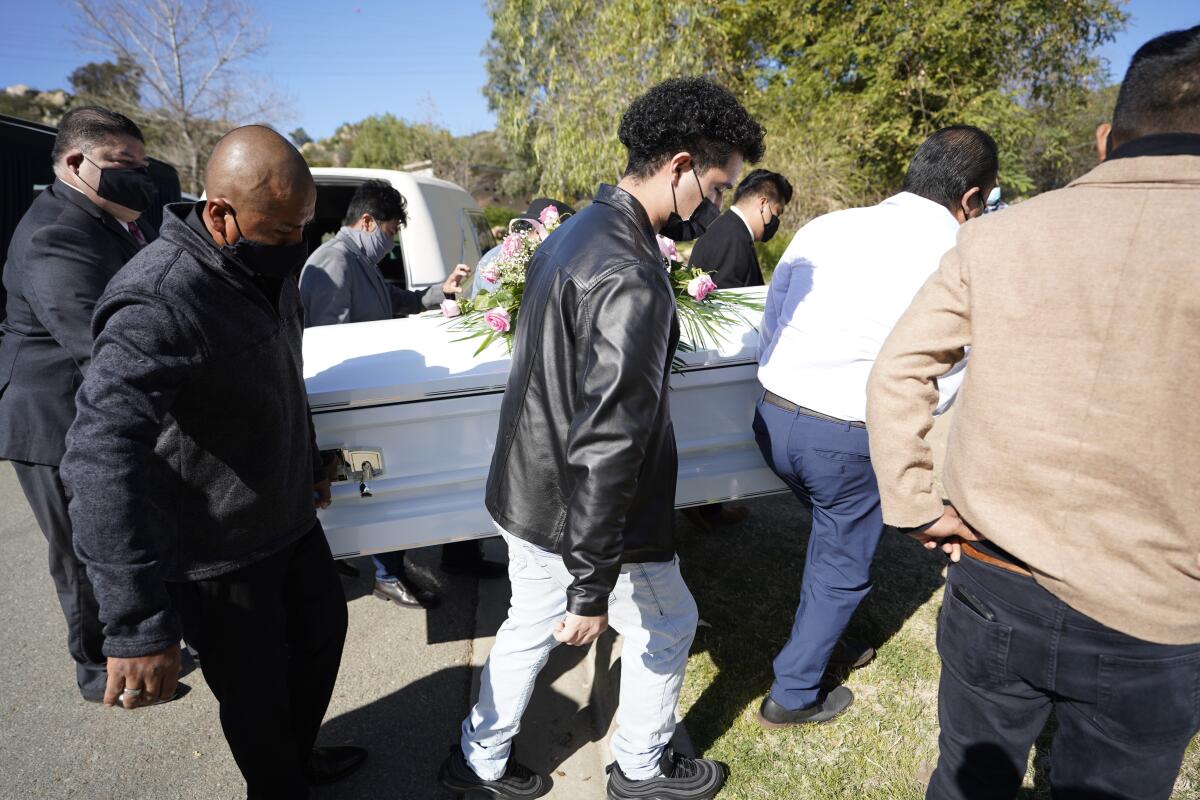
{"points": [[788, 405], [974, 552]]}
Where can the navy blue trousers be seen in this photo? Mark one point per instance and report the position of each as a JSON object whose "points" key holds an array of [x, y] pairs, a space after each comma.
{"points": [[1011, 653], [828, 467]]}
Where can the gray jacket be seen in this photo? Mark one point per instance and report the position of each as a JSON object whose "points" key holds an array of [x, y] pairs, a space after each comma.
{"points": [[339, 284], [192, 453]]}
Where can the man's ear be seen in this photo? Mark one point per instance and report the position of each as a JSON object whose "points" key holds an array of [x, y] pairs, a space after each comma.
{"points": [[973, 195], [217, 216], [1103, 132], [680, 164], [366, 223], [74, 160]]}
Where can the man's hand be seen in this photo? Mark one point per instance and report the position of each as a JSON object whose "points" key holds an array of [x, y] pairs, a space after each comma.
{"points": [[452, 285], [152, 678], [321, 496], [948, 532], [578, 630]]}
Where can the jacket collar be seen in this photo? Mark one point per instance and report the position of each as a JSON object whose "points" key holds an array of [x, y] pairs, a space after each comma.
{"points": [[72, 195], [1160, 144], [372, 271], [627, 204], [179, 230], [1162, 170]]}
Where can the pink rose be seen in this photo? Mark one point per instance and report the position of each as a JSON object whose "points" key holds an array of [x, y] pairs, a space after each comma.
{"points": [[490, 273], [497, 319], [511, 245], [667, 248], [549, 216], [699, 287], [450, 309]]}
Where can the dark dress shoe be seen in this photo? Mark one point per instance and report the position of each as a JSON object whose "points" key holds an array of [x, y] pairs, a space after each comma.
{"points": [[851, 654], [329, 764], [683, 778], [517, 783], [773, 715], [403, 592]]}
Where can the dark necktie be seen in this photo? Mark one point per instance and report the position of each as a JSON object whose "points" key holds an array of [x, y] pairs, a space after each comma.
{"points": [[136, 233]]}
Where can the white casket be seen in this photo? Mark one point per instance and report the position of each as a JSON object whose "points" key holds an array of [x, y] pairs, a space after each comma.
{"points": [[421, 411]]}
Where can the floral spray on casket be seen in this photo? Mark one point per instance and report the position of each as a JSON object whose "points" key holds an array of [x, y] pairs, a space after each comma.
{"points": [[704, 311]]}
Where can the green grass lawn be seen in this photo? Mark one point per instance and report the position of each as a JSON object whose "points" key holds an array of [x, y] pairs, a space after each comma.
{"points": [[746, 581]]}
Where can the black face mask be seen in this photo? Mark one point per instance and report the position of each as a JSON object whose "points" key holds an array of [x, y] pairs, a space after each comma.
{"points": [[130, 187], [270, 260], [769, 228], [685, 230]]}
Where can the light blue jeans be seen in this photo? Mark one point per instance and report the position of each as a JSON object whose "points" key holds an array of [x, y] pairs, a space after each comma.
{"points": [[650, 607]]}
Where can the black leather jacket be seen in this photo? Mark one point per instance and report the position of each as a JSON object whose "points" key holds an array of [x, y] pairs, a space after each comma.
{"points": [[585, 461]]}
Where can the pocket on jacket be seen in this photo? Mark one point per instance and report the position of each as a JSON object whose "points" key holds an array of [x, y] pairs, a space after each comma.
{"points": [[1149, 702], [973, 648]]}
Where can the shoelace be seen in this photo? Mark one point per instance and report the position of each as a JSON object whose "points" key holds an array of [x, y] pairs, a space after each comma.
{"points": [[683, 767]]}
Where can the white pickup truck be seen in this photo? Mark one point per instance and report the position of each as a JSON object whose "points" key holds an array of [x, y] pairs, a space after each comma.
{"points": [[409, 414]]}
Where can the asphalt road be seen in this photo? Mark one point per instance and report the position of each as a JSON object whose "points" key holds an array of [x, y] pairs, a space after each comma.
{"points": [[402, 691]]}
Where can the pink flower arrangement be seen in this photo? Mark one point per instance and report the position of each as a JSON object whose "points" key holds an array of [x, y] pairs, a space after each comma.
{"points": [[450, 309], [491, 272], [668, 250], [497, 319], [699, 287], [549, 217], [511, 245]]}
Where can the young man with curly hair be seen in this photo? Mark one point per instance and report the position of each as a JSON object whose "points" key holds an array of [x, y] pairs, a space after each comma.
{"points": [[582, 484]]}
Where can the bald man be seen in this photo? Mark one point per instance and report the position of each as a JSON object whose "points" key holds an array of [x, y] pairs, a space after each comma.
{"points": [[195, 474]]}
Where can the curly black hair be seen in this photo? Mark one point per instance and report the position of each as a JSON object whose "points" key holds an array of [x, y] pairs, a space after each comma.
{"points": [[687, 114], [380, 200]]}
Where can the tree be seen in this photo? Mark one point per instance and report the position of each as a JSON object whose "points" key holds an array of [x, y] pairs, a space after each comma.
{"points": [[300, 137], [847, 89], [191, 54], [115, 83]]}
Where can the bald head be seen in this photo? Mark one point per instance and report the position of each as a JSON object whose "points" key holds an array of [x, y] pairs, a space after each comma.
{"points": [[258, 187]]}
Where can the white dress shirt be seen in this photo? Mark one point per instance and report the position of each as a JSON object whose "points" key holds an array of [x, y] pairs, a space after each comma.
{"points": [[838, 291]]}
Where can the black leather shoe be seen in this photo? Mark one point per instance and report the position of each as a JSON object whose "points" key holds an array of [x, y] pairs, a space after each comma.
{"points": [[517, 783], [683, 778], [851, 654], [403, 592], [329, 764], [830, 704]]}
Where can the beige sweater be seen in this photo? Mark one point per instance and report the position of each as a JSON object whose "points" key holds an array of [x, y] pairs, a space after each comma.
{"points": [[1076, 441]]}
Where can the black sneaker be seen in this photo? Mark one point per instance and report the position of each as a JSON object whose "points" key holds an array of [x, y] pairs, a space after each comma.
{"points": [[517, 783], [828, 706], [683, 778]]}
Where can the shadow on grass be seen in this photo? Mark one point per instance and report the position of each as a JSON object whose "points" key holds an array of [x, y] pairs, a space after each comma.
{"points": [[746, 581]]}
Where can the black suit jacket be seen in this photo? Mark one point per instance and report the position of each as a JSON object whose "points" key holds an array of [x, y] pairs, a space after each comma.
{"points": [[728, 248], [62, 255]]}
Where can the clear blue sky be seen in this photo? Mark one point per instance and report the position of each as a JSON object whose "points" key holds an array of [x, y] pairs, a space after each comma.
{"points": [[341, 60]]}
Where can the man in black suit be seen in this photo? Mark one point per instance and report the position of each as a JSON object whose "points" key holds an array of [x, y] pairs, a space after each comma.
{"points": [[728, 248], [67, 247], [728, 245]]}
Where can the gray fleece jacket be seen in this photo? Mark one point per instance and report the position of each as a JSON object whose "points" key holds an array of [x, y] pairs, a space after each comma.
{"points": [[192, 452]]}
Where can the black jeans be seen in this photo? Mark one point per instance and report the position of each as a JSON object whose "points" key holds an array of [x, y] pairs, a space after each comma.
{"points": [[270, 640], [1126, 708], [48, 498]]}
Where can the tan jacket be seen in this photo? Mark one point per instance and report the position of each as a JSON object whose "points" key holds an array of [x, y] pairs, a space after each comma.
{"points": [[1076, 443]]}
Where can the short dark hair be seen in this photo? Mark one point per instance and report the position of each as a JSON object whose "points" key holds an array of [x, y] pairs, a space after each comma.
{"points": [[380, 200], [87, 126], [950, 162], [687, 114], [771, 185], [1161, 90]]}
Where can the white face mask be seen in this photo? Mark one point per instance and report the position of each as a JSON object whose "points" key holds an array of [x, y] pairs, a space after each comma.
{"points": [[374, 244]]}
